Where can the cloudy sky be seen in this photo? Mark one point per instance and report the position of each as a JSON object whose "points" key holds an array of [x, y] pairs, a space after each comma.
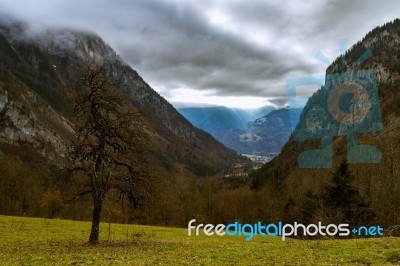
{"points": [[227, 52]]}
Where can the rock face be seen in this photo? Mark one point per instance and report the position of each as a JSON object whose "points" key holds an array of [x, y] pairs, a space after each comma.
{"points": [[26, 118], [39, 78]]}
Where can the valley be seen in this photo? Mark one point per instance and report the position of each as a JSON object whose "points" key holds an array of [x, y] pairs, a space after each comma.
{"points": [[86, 135]]}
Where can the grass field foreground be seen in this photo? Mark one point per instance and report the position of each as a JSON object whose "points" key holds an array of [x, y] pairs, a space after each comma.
{"points": [[38, 241]]}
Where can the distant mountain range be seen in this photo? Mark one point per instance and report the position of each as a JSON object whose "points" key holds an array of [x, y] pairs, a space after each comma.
{"points": [[217, 120], [258, 132]]}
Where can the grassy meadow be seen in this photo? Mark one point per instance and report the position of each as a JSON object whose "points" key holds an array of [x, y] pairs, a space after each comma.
{"points": [[38, 241]]}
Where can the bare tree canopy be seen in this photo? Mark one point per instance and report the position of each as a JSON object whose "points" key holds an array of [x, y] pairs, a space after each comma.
{"points": [[109, 146]]}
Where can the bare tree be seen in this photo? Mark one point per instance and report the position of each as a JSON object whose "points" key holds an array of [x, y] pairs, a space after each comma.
{"points": [[108, 150]]}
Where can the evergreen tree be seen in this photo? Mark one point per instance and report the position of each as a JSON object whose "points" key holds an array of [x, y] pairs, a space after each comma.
{"points": [[344, 197]]}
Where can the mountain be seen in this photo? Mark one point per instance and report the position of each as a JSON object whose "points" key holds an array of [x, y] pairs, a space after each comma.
{"points": [[265, 135], [244, 131], [217, 120], [39, 78], [355, 118]]}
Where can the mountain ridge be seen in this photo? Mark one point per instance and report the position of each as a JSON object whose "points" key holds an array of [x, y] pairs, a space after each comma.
{"points": [[48, 66], [244, 132], [283, 177]]}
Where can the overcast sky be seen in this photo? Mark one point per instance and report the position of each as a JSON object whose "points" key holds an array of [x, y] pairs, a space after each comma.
{"points": [[228, 52]]}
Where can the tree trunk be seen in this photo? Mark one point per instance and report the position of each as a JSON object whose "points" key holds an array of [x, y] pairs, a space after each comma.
{"points": [[97, 205]]}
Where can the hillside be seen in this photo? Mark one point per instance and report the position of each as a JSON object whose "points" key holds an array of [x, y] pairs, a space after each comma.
{"points": [[39, 78], [39, 81], [370, 145]]}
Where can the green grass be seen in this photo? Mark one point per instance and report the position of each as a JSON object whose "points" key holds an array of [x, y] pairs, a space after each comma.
{"points": [[37, 241]]}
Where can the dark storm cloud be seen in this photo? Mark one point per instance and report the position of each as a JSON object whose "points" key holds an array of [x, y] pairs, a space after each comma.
{"points": [[280, 101], [222, 48]]}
